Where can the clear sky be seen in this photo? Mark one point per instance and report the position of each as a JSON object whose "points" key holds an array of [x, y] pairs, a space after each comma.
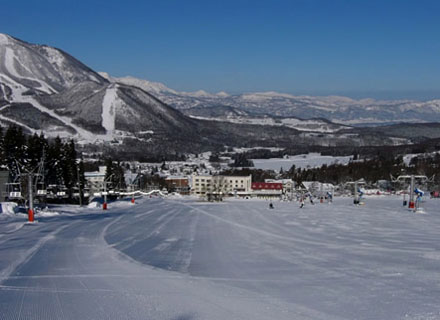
{"points": [[358, 48]]}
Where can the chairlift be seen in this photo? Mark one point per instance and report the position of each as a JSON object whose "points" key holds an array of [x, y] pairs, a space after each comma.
{"points": [[13, 190], [51, 191], [62, 192], [86, 192], [41, 190], [76, 192]]}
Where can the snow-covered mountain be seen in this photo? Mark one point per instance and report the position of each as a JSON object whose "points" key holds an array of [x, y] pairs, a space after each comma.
{"points": [[43, 89], [39, 68], [337, 109], [207, 106]]}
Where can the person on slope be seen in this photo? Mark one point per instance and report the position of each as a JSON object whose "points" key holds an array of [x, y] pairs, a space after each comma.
{"points": [[302, 203]]}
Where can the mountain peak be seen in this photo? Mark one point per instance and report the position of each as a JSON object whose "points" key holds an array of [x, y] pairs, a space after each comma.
{"points": [[4, 38], [222, 94], [106, 76]]}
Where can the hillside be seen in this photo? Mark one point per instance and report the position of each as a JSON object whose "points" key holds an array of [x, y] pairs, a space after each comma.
{"points": [[45, 90]]}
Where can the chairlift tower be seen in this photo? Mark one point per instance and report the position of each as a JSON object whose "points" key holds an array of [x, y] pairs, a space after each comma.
{"points": [[30, 174], [104, 193], [412, 186], [356, 193]]}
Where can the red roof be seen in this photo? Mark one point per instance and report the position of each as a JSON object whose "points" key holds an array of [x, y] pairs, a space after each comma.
{"points": [[267, 186]]}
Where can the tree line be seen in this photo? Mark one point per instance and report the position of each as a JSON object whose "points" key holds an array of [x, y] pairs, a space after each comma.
{"points": [[56, 160], [380, 167], [372, 170]]}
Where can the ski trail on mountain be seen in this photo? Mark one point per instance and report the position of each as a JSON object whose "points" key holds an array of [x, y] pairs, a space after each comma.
{"points": [[110, 104]]}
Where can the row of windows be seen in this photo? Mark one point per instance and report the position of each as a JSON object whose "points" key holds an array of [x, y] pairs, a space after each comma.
{"points": [[227, 181]]}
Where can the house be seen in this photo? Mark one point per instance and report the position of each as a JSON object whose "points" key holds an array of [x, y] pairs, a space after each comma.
{"points": [[178, 184], [288, 184], [267, 190]]}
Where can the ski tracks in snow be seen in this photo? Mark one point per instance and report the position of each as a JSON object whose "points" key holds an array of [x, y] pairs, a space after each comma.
{"points": [[28, 254]]}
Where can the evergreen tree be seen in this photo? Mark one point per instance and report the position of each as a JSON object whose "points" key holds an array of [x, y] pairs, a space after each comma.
{"points": [[119, 178], [240, 160], [2, 152], [14, 148], [81, 179], [114, 175], [55, 162], [69, 165], [36, 147]]}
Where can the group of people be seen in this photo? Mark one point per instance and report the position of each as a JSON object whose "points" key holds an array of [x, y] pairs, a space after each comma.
{"points": [[302, 199]]}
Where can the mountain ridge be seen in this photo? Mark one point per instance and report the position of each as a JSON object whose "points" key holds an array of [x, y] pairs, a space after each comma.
{"points": [[45, 90], [339, 109]]}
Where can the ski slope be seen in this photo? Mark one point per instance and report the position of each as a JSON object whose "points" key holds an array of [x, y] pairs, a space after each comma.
{"points": [[303, 161], [185, 259]]}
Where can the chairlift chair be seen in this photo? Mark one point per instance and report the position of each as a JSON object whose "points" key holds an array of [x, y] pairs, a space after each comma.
{"points": [[86, 192], [76, 193], [14, 191], [62, 192], [41, 190], [51, 191]]}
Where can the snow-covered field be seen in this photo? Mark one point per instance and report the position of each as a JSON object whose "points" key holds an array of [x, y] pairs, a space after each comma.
{"points": [[311, 160], [185, 259]]}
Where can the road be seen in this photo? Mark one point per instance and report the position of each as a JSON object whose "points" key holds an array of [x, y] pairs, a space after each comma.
{"points": [[183, 259]]}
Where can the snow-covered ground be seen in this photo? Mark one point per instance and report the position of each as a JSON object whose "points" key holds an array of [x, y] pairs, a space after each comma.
{"points": [[311, 160], [313, 125], [186, 259]]}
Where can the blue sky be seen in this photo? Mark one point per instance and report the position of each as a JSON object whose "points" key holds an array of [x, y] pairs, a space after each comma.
{"points": [[379, 49]]}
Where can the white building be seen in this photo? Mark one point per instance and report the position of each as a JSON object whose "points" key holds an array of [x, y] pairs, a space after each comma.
{"points": [[202, 185], [95, 179], [288, 184]]}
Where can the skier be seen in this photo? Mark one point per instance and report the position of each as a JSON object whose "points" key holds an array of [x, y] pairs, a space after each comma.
{"points": [[329, 197], [311, 198], [271, 205], [419, 193]]}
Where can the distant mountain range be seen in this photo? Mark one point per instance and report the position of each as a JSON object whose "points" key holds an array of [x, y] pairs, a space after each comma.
{"points": [[342, 110], [43, 89]]}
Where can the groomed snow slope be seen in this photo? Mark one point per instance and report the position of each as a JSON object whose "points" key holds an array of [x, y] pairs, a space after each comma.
{"points": [[183, 259], [303, 161]]}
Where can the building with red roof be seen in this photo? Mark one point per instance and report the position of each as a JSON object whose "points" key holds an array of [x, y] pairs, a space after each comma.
{"points": [[267, 189]]}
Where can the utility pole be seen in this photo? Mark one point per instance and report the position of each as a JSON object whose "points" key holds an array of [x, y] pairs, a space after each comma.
{"points": [[104, 205], [411, 193], [356, 198], [79, 186], [412, 186], [31, 197], [357, 195], [321, 192]]}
